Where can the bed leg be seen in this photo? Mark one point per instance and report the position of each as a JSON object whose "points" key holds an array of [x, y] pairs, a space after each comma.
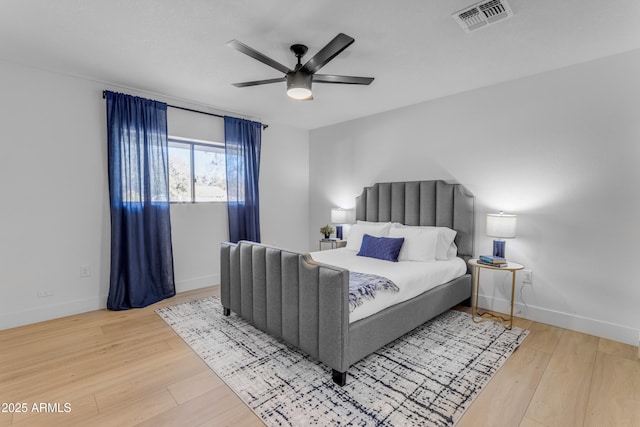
{"points": [[339, 378], [226, 311]]}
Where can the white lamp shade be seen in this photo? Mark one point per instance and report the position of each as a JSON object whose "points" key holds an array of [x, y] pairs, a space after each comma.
{"points": [[338, 216], [501, 225]]}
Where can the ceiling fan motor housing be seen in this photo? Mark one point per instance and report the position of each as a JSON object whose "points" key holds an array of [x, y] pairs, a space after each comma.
{"points": [[299, 84]]}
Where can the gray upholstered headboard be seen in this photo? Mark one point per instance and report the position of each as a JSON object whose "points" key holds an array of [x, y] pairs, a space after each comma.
{"points": [[422, 203]]}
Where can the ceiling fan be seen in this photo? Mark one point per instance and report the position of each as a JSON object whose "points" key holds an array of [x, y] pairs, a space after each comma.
{"points": [[300, 78]]}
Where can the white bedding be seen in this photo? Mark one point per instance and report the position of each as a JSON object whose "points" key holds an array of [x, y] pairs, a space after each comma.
{"points": [[413, 278]]}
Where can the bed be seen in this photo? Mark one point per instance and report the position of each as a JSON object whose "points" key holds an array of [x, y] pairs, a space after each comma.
{"points": [[306, 303]]}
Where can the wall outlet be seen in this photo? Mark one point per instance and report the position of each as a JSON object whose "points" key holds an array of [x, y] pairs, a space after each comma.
{"points": [[85, 270], [527, 276], [43, 293]]}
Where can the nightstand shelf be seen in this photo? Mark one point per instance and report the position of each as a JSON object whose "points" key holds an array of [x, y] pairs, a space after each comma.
{"points": [[335, 243], [511, 267]]}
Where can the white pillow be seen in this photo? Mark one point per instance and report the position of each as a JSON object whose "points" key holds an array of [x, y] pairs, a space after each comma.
{"points": [[381, 225], [446, 237], [453, 251], [419, 243], [358, 230]]}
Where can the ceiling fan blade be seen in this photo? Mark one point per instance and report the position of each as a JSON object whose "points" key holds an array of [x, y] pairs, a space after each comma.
{"points": [[327, 53], [348, 80], [241, 47], [260, 82]]}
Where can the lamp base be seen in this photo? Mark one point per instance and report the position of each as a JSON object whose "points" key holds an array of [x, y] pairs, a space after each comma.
{"points": [[339, 232], [498, 248]]}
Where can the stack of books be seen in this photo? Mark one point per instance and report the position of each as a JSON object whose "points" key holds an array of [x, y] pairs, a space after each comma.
{"points": [[494, 261]]}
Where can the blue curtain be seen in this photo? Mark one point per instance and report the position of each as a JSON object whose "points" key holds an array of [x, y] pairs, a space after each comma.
{"points": [[141, 252], [242, 140]]}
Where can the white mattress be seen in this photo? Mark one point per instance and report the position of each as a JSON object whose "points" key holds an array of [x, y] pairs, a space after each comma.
{"points": [[413, 278]]}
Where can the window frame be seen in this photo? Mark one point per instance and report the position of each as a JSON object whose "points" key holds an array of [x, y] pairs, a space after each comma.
{"points": [[192, 143]]}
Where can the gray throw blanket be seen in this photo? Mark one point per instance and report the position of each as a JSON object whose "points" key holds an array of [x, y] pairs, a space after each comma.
{"points": [[363, 285]]}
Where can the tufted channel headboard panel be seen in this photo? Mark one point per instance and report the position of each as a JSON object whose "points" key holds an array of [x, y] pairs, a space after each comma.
{"points": [[434, 203]]}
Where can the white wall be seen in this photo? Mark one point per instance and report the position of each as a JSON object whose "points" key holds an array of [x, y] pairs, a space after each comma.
{"points": [[54, 213], [284, 187], [560, 149], [55, 204]]}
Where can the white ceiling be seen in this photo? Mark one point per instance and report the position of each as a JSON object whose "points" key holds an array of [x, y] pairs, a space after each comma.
{"points": [[413, 48]]}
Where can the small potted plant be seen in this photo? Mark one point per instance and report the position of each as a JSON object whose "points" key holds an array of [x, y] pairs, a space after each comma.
{"points": [[326, 231]]}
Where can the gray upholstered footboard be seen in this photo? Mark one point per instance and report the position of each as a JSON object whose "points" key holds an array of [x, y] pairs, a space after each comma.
{"points": [[291, 297]]}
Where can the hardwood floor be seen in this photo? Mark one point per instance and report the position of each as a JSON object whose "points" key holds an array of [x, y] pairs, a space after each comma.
{"points": [[129, 368]]}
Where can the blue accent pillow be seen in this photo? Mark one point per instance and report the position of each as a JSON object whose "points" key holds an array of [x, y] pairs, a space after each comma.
{"points": [[385, 248]]}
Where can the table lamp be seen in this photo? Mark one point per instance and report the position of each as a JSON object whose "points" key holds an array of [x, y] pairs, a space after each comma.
{"points": [[338, 217], [501, 226]]}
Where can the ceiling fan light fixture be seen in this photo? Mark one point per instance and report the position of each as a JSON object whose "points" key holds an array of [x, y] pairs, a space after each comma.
{"points": [[299, 86], [299, 93]]}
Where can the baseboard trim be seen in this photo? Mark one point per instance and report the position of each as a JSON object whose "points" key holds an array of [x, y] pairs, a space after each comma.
{"points": [[197, 283], [573, 322], [68, 308], [49, 312]]}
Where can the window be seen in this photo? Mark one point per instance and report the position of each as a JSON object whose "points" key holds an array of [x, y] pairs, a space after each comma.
{"points": [[197, 171]]}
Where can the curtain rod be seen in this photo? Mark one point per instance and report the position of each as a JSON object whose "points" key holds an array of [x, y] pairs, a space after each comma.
{"points": [[104, 95]]}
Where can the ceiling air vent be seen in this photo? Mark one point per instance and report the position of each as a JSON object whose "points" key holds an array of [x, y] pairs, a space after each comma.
{"points": [[482, 14]]}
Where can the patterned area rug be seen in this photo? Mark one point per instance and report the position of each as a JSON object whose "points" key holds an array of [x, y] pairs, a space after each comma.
{"points": [[429, 377]]}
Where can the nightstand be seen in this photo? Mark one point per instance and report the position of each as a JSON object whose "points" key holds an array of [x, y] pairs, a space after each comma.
{"points": [[335, 243], [511, 267]]}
